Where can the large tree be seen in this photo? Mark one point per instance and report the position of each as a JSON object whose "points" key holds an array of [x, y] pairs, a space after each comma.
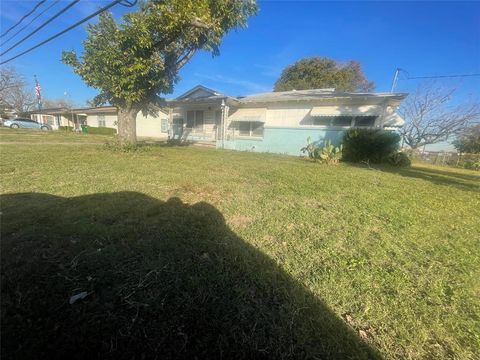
{"points": [[432, 115], [321, 72], [133, 62], [469, 140], [14, 93]]}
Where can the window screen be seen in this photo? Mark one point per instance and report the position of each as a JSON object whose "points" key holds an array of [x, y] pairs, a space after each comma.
{"points": [[342, 121], [244, 128], [190, 119], [199, 120], [164, 125], [101, 120], [365, 120], [322, 120], [257, 129]]}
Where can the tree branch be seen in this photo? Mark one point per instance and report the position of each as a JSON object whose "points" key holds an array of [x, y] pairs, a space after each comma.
{"points": [[183, 60]]}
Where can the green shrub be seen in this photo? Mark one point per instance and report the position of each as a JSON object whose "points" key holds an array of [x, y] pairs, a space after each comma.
{"points": [[327, 154], [116, 146], [472, 165], [101, 130], [400, 159], [372, 145], [66, 128]]}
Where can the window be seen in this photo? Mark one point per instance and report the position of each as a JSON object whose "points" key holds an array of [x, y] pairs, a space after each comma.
{"points": [[101, 120], [164, 125], [195, 120], [244, 128], [190, 119], [47, 119], [218, 117], [199, 120], [342, 121], [250, 128], [345, 121], [365, 121], [322, 120]]}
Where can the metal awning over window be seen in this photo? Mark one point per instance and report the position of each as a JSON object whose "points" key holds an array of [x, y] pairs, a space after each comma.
{"points": [[394, 120], [247, 115], [343, 110]]}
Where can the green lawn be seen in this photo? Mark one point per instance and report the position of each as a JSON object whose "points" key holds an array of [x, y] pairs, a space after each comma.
{"points": [[188, 252]]}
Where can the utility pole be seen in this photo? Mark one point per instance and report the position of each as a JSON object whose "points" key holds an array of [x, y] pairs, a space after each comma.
{"points": [[67, 96], [38, 94], [395, 78]]}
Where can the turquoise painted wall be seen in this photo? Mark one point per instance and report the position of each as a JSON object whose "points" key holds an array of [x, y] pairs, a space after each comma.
{"points": [[284, 140]]}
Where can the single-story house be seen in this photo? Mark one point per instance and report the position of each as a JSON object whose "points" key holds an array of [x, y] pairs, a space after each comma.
{"points": [[102, 116], [55, 117], [277, 122]]}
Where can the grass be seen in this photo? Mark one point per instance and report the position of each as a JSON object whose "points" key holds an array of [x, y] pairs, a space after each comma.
{"points": [[65, 137], [188, 252]]}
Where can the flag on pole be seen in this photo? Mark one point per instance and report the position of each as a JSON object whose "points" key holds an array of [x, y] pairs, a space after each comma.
{"points": [[38, 93]]}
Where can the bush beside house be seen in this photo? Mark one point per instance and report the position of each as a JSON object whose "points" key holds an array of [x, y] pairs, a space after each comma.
{"points": [[371, 145]]}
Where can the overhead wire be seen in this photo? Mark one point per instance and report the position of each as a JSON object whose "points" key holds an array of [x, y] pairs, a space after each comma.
{"points": [[113, 3], [41, 26], [31, 21], [23, 18]]}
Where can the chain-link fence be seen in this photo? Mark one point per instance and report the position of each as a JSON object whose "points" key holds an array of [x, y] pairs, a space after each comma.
{"points": [[468, 161]]}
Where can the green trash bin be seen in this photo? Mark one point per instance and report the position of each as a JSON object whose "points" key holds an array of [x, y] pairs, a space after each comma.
{"points": [[84, 129]]}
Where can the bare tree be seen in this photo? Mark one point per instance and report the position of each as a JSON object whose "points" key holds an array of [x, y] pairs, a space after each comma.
{"points": [[14, 94], [58, 103], [431, 117]]}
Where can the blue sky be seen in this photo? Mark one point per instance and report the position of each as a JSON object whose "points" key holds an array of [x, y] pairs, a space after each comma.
{"points": [[424, 38]]}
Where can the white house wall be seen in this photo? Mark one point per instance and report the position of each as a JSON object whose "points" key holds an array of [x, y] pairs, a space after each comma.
{"points": [[110, 120], [298, 114], [151, 127]]}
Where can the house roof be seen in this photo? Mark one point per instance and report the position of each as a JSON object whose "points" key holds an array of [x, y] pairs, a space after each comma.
{"points": [[197, 89], [94, 110], [50, 111], [202, 95], [314, 94]]}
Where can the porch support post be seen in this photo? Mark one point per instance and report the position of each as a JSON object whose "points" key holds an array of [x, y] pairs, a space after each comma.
{"points": [[225, 109], [170, 122]]}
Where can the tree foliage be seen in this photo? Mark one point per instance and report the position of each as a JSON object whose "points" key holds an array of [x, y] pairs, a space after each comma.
{"points": [[469, 140], [431, 115], [133, 62], [321, 72]]}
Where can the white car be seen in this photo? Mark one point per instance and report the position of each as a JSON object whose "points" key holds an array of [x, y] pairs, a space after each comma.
{"points": [[25, 124]]}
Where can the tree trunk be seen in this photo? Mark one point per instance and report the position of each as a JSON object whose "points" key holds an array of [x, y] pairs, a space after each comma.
{"points": [[127, 125]]}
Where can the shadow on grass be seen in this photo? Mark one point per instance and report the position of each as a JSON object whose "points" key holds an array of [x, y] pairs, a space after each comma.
{"points": [[165, 280], [439, 177]]}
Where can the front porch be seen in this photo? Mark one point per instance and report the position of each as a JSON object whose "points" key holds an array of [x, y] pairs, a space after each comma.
{"points": [[197, 122]]}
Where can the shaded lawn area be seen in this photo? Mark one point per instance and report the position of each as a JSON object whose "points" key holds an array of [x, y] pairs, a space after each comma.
{"points": [[189, 252]]}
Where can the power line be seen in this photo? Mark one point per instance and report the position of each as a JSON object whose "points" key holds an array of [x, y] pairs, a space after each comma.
{"points": [[408, 77], [41, 26], [31, 21], [441, 76], [23, 17], [113, 3]]}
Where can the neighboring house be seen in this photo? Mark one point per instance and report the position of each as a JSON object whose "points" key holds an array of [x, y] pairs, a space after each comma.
{"points": [[155, 127], [278, 122], [55, 117]]}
